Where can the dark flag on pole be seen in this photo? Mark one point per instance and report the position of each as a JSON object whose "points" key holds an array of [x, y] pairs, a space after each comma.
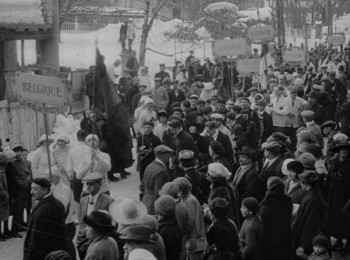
{"points": [[117, 141], [101, 80]]}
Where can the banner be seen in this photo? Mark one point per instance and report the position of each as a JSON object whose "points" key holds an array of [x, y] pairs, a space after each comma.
{"points": [[41, 89], [294, 56], [261, 33], [232, 47], [336, 39], [248, 66]]}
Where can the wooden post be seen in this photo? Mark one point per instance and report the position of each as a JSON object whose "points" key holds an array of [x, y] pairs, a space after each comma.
{"points": [[22, 53], [47, 139]]}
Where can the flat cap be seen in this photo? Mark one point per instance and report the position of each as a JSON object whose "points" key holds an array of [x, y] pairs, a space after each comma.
{"points": [[162, 149], [217, 170], [253, 89], [186, 155], [42, 182], [194, 97], [93, 176], [307, 114], [148, 123], [294, 90], [166, 81], [271, 145], [245, 99], [217, 116], [157, 79], [328, 123]]}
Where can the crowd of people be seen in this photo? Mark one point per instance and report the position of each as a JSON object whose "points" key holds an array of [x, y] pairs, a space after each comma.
{"points": [[261, 174]]}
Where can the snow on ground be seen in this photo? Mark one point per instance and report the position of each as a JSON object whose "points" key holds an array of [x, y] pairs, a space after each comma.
{"points": [[265, 13], [77, 50], [221, 6], [19, 11]]}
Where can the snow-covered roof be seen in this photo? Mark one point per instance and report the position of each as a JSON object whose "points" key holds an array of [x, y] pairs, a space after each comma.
{"points": [[252, 14], [221, 6], [21, 12]]}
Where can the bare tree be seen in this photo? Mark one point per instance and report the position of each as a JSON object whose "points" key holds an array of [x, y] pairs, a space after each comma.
{"points": [[151, 14]]}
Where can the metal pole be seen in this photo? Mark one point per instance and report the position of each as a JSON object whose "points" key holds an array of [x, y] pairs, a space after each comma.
{"points": [[22, 53]]}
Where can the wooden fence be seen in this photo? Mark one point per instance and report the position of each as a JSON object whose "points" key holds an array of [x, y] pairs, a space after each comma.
{"points": [[23, 124], [92, 21]]}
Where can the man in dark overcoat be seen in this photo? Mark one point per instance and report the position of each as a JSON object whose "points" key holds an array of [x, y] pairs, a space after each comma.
{"points": [[46, 227]]}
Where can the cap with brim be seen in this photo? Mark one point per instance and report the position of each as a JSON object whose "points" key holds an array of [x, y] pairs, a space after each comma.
{"points": [[163, 113], [42, 140], [142, 86], [271, 146], [217, 116], [93, 176], [324, 79], [250, 152], [194, 97], [307, 114], [157, 79], [253, 89], [98, 219], [149, 101], [186, 155], [139, 233], [128, 211], [273, 80], [260, 103], [175, 81], [294, 90], [148, 123], [17, 147], [214, 96], [328, 123], [341, 145], [10, 154], [42, 182], [184, 82], [245, 99], [162, 64]]}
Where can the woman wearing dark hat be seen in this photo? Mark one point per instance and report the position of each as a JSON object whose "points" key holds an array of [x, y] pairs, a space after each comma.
{"points": [[337, 184], [252, 231], [222, 234], [168, 227], [138, 236], [311, 216], [98, 227], [293, 189], [276, 212]]}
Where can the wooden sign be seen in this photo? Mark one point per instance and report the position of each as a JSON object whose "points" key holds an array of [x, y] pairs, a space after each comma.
{"points": [[231, 47], [294, 56], [41, 89], [336, 39], [261, 33], [247, 66]]}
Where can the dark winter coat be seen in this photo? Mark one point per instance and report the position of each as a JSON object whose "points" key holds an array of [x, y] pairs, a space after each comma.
{"points": [[46, 229], [338, 186], [267, 124], [296, 193], [246, 182], [156, 175], [200, 185], [170, 231], [253, 127], [223, 240], [4, 197], [318, 109], [183, 141], [251, 237], [146, 156], [226, 143], [176, 98], [273, 169], [310, 220], [276, 212], [221, 189], [344, 118]]}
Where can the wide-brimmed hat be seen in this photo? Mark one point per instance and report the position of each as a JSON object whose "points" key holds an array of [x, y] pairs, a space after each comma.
{"points": [[42, 140], [139, 233], [248, 151], [99, 219], [339, 146], [284, 165], [93, 176], [127, 211]]}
